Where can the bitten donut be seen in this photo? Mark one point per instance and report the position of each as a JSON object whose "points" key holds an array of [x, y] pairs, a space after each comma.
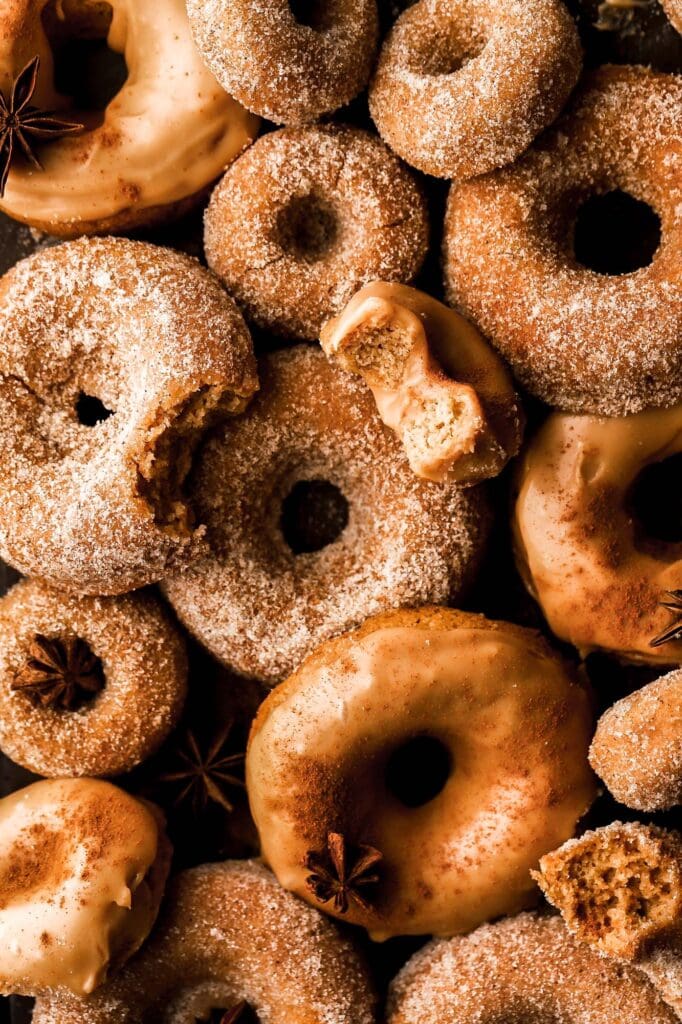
{"points": [[305, 218], [527, 968], [288, 62], [228, 934], [88, 686], [409, 774], [161, 141], [637, 748], [82, 872], [313, 448], [582, 543], [510, 262], [463, 87], [113, 357]]}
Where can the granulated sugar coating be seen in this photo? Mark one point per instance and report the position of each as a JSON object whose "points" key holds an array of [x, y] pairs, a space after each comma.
{"points": [[673, 8]]}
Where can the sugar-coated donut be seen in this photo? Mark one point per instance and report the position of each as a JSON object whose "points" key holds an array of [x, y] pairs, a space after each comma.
{"points": [[228, 933], [286, 66], [436, 381], [637, 748], [527, 968], [82, 871], [510, 263], [673, 8], [464, 86], [583, 551], [305, 218], [511, 726], [88, 686], [259, 606], [160, 142], [150, 337]]}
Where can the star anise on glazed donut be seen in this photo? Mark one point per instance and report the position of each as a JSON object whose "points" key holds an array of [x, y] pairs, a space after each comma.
{"points": [[59, 673], [19, 121], [206, 775], [672, 632], [339, 875]]}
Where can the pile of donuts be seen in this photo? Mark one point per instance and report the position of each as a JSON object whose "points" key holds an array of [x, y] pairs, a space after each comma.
{"points": [[291, 457]]}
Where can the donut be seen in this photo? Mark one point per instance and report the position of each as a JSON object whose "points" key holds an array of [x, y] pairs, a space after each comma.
{"points": [[526, 968], [82, 872], [113, 357], [312, 446], [407, 777], [582, 544], [306, 217], [511, 267], [289, 62], [673, 8], [88, 686], [435, 380], [157, 146], [637, 748], [229, 934], [464, 86]]}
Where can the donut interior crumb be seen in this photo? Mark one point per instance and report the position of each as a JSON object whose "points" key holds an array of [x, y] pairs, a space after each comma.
{"points": [[383, 351]]}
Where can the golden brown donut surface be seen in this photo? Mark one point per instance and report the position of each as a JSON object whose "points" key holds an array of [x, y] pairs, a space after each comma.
{"points": [[512, 727], [673, 8]]}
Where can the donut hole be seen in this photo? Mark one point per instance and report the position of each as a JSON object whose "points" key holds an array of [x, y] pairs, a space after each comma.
{"points": [[241, 1014], [436, 53], [307, 228], [417, 771], [314, 14], [91, 410], [614, 233], [314, 515], [656, 500]]}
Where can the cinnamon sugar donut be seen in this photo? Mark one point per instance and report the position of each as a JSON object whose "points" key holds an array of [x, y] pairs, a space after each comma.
{"points": [[637, 748], [337, 762], [464, 86], [673, 8], [113, 357], [82, 871], [305, 218], [510, 263], [88, 686], [228, 934], [161, 141], [261, 602], [288, 62]]}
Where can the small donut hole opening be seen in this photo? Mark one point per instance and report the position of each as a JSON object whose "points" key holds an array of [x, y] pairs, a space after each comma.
{"points": [[315, 14], [60, 673], [242, 1013], [307, 228], [417, 770], [314, 515], [91, 410], [656, 500], [615, 233]]}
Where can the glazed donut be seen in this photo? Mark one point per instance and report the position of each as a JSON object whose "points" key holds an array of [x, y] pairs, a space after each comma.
{"points": [[88, 686], [511, 268], [228, 933], [261, 603], [305, 218], [435, 380], [526, 968], [286, 66], [144, 336], [582, 549], [160, 142], [488, 702], [637, 748], [82, 872], [464, 86], [673, 8]]}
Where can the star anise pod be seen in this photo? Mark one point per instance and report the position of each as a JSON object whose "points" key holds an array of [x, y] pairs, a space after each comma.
{"points": [[674, 630], [337, 875], [205, 776], [19, 122], [59, 672]]}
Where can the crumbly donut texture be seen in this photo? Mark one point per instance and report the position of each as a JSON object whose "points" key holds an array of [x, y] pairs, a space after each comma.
{"points": [[229, 933], [255, 604], [464, 86], [151, 335], [305, 218], [579, 340]]}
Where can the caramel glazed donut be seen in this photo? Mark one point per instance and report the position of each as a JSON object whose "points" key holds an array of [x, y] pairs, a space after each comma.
{"points": [[227, 934], [495, 712], [581, 539], [113, 356], [510, 264], [464, 86], [262, 601], [160, 142]]}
